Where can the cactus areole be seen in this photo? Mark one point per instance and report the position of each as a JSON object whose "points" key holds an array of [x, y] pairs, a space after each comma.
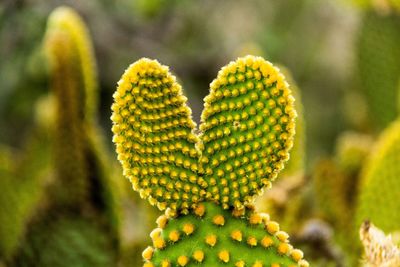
{"points": [[206, 182]]}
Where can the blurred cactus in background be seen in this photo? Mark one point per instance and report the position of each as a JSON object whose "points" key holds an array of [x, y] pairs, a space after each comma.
{"points": [[24, 176], [378, 64], [380, 183], [68, 86], [207, 182], [336, 180], [336, 185], [67, 187]]}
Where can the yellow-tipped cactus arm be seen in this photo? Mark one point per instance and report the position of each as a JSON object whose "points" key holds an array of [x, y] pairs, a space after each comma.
{"points": [[66, 20], [69, 131], [153, 132], [247, 130]]}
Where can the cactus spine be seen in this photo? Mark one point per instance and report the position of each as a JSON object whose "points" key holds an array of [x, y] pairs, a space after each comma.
{"points": [[206, 182], [297, 163]]}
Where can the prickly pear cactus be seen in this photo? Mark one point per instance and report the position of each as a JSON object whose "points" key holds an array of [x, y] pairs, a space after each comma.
{"points": [[80, 159], [380, 183], [379, 56], [297, 163], [207, 182], [78, 198], [290, 185]]}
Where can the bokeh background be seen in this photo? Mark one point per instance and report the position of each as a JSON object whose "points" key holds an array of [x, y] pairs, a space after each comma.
{"points": [[343, 56]]}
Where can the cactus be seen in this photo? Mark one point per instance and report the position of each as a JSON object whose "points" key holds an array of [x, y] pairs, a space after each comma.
{"points": [[66, 20], [380, 183], [335, 186], [297, 163], [67, 47], [329, 184], [352, 149], [80, 157], [379, 56], [207, 182], [290, 185], [67, 242], [23, 176], [336, 180], [80, 194]]}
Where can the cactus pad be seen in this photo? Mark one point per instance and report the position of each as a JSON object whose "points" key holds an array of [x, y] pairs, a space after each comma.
{"points": [[207, 181], [379, 56], [247, 130], [73, 82], [153, 131], [379, 188], [213, 236]]}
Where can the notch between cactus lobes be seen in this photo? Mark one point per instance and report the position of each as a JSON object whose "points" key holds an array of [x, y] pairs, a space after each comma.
{"points": [[247, 130]]}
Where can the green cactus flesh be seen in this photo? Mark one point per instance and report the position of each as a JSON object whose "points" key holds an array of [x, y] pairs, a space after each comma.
{"points": [[379, 189], [63, 43], [213, 236], [275, 201], [154, 136], [379, 65], [246, 132]]}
